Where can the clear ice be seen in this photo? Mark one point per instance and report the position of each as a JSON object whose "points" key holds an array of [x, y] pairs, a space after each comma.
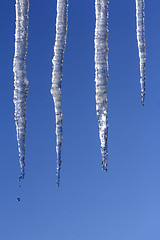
{"points": [[20, 79], [101, 74], [59, 48], [141, 44]]}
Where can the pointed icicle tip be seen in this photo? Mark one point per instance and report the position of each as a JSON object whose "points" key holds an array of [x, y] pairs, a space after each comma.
{"points": [[104, 167], [142, 101], [59, 161], [143, 97]]}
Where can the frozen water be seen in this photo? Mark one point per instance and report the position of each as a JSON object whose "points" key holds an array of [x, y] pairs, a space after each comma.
{"points": [[59, 48], [20, 79], [101, 74], [141, 44]]}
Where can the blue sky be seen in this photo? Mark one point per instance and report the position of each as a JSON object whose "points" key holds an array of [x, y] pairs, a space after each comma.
{"points": [[121, 204]]}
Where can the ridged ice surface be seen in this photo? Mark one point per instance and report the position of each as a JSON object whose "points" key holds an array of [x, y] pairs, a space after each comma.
{"points": [[20, 79], [101, 74], [141, 44], [59, 48]]}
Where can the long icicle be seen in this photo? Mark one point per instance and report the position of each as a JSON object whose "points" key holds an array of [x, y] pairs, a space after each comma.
{"points": [[141, 44], [101, 74], [59, 48], [20, 79]]}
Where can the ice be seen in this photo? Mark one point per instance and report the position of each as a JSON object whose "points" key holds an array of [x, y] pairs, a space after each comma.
{"points": [[141, 44], [59, 48], [101, 74], [20, 79]]}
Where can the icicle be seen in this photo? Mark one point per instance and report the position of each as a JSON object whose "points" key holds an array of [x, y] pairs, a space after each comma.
{"points": [[20, 79], [141, 44], [101, 74], [59, 48]]}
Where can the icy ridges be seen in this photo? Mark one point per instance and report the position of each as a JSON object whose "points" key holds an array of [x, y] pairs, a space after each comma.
{"points": [[101, 74], [59, 48], [20, 79], [141, 44]]}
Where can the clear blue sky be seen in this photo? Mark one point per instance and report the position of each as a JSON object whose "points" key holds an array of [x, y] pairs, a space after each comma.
{"points": [[122, 204]]}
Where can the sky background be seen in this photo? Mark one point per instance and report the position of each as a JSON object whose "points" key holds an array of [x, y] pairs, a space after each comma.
{"points": [[122, 204]]}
